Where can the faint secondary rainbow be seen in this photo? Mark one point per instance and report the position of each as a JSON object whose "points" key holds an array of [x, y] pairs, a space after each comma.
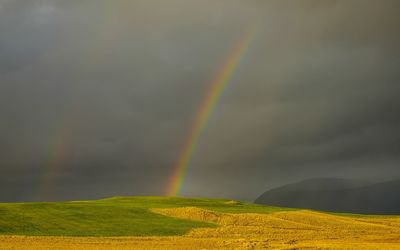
{"points": [[59, 150], [205, 110]]}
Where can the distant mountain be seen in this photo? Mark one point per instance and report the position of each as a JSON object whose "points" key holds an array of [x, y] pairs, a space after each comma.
{"points": [[337, 195]]}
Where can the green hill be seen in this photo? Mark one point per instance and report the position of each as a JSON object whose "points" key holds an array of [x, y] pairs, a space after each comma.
{"points": [[117, 216]]}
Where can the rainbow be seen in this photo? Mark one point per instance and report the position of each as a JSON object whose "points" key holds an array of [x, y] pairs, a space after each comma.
{"points": [[205, 110], [60, 142], [58, 151]]}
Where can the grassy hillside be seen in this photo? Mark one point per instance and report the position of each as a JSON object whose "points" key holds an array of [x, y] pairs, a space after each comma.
{"points": [[117, 216], [299, 229]]}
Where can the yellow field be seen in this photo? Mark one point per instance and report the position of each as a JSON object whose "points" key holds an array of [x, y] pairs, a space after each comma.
{"points": [[281, 230]]}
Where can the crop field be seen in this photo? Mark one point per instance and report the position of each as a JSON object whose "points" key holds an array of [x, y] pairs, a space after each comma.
{"points": [[177, 223]]}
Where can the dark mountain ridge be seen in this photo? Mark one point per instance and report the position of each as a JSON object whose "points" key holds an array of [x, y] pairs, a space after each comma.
{"points": [[337, 195]]}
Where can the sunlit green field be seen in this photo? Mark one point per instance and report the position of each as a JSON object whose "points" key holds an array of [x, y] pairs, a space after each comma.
{"points": [[183, 223], [118, 216]]}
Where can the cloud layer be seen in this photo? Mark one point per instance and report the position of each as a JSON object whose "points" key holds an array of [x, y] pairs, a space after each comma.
{"points": [[97, 97]]}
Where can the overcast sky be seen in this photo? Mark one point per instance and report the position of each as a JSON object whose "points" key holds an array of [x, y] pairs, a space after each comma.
{"points": [[97, 96]]}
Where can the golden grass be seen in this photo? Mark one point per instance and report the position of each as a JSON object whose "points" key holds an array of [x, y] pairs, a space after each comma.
{"points": [[301, 229]]}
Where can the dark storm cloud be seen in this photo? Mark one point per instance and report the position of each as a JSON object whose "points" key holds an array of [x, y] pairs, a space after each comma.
{"points": [[97, 97]]}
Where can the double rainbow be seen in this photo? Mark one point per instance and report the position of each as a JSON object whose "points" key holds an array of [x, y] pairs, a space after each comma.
{"points": [[205, 110]]}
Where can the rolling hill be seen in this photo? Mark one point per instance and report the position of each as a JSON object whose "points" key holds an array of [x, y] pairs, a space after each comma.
{"points": [[117, 216], [337, 195], [185, 223]]}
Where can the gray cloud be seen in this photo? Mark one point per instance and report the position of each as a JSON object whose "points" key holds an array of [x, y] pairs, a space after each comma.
{"points": [[97, 97]]}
